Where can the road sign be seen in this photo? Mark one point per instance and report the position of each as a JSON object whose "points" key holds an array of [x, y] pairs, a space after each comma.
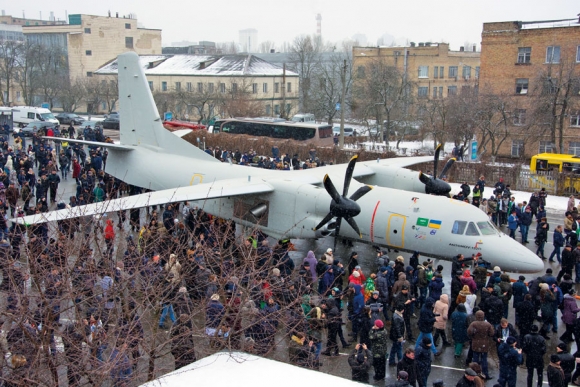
{"points": [[337, 106], [473, 150]]}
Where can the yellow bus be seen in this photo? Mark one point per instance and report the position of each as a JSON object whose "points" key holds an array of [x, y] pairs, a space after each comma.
{"points": [[549, 169]]}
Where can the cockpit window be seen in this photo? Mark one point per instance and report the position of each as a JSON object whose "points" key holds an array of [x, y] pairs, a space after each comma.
{"points": [[459, 227], [471, 229], [486, 228]]}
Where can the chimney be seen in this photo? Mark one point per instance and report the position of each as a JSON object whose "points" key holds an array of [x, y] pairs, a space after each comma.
{"points": [[421, 44], [51, 17], [461, 48], [412, 44], [474, 48], [428, 44], [272, 51]]}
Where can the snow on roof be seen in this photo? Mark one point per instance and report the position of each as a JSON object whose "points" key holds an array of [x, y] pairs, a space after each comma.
{"points": [[242, 369], [202, 65]]}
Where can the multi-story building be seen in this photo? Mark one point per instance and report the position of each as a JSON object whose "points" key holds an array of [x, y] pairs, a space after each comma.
{"points": [[435, 70], [202, 76], [534, 67], [91, 41]]}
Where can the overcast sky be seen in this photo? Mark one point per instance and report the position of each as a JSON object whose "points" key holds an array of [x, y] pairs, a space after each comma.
{"points": [[453, 21]]}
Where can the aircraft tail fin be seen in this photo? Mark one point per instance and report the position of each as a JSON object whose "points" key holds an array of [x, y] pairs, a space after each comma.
{"points": [[140, 123]]}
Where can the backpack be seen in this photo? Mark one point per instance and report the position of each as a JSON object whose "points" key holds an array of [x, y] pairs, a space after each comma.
{"points": [[429, 273]]}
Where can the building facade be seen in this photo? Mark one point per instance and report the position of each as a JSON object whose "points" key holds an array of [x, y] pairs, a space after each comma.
{"points": [[534, 67], [435, 70], [201, 76], [91, 41]]}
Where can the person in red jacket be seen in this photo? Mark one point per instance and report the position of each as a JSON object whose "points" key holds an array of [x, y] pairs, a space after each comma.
{"points": [[109, 237]]}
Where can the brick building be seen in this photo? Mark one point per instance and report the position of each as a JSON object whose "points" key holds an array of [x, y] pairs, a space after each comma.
{"points": [[532, 65], [435, 70]]}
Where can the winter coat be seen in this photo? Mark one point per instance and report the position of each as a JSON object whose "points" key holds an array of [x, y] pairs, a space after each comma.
{"points": [[493, 309], [400, 282], [480, 332], [358, 300], [441, 308], [436, 287], [426, 317], [519, 290], [569, 309], [555, 376], [470, 283], [397, 328], [558, 239], [410, 367], [423, 359], [360, 371], [311, 259], [509, 359], [534, 346], [459, 325], [382, 286], [379, 341]]}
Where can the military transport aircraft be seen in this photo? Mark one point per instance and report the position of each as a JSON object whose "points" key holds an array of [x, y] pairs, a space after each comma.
{"points": [[293, 204]]}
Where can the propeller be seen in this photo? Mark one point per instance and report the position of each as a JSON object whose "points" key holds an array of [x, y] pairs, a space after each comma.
{"points": [[342, 207], [434, 185]]}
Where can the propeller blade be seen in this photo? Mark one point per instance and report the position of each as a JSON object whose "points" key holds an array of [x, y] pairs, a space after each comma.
{"points": [[360, 192], [436, 160], [331, 189], [424, 178], [337, 231], [448, 165], [324, 221], [348, 174], [353, 225]]}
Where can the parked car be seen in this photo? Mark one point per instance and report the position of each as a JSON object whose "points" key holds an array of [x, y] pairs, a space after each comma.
{"points": [[348, 132], [67, 118], [112, 121], [32, 128]]}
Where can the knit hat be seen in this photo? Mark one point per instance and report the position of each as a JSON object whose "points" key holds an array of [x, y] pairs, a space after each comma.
{"points": [[329, 250], [382, 269], [465, 289], [276, 271], [562, 346], [554, 358], [496, 268], [522, 278], [470, 372], [379, 324], [400, 258], [392, 263], [403, 375], [467, 274], [510, 340], [544, 286], [355, 274], [426, 341]]}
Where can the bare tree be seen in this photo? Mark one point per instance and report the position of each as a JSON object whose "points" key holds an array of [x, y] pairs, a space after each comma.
{"points": [[238, 100], [9, 52], [305, 54], [267, 46], [72, 94]]}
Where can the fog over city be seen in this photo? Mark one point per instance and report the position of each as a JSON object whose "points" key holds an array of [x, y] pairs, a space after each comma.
{"points": [[388, 22]]}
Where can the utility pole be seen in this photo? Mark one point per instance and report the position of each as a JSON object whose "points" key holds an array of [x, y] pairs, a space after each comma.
{"points": [[342, 97]]}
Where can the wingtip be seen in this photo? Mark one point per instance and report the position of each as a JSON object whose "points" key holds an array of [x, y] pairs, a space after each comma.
{"points": [[354, 157], [453, 158], [439, 146]]}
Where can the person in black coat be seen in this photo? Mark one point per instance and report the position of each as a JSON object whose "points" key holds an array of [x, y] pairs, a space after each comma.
{"points": [[534, 346], [567, 361], [408, 365], [423, 360], [505, 330], [527, 313], [360, 362], [493, 309], [555, 373]]}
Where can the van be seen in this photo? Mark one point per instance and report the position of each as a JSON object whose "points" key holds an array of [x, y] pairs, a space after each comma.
{"points": [[23, 115], [306, 117]]}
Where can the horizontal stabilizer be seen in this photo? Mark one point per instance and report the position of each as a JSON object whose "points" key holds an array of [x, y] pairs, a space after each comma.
{"points": [[222, 188], [92, 143]]}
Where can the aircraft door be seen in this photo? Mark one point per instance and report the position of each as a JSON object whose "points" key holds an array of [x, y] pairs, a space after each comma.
{"points": [[396, 230]]}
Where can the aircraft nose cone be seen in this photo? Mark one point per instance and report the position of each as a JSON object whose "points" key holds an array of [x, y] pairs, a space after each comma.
{"points": [[523, 260]]}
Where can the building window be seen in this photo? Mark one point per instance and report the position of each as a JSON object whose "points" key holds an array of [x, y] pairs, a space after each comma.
{"points": [[520, 117], [210, 87], [434, 92], [163, 86], [264, 87], [89, 73], [452, 71], [574, 148], [524, 54], [277, 109], [276, 87], [18, 96], [517, 148], [189, 87], [127, 26], [177, 86], [288, 108], [436, 72], [440, 91], [551, 86], [360, 71], [451, 90], [88, 52], [128, 42], [151, 85], [522, 86], [222, 87], [465, 90], [423, 91], [199, 87], [546, 147], [477, 72], [553, 54], [575, 118], [578, 54], [87, 30], [423, 71], [254, 88], [234, 87], [441, 71], [268, 110], [466, 72], [289, 87]]}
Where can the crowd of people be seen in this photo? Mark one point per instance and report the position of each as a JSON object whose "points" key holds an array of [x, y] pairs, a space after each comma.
{"points": [[193, 275]]}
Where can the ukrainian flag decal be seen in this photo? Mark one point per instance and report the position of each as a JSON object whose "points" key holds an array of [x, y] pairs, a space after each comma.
{"points": [[434, 223]]}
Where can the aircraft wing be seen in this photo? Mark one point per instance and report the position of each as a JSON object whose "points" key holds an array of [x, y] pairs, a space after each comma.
{"points": [[91, 143], [221, 188], [404, 161]]}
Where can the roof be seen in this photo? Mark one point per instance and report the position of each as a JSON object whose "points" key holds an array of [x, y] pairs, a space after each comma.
{"points": [[242, 369], [202, 65]]}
